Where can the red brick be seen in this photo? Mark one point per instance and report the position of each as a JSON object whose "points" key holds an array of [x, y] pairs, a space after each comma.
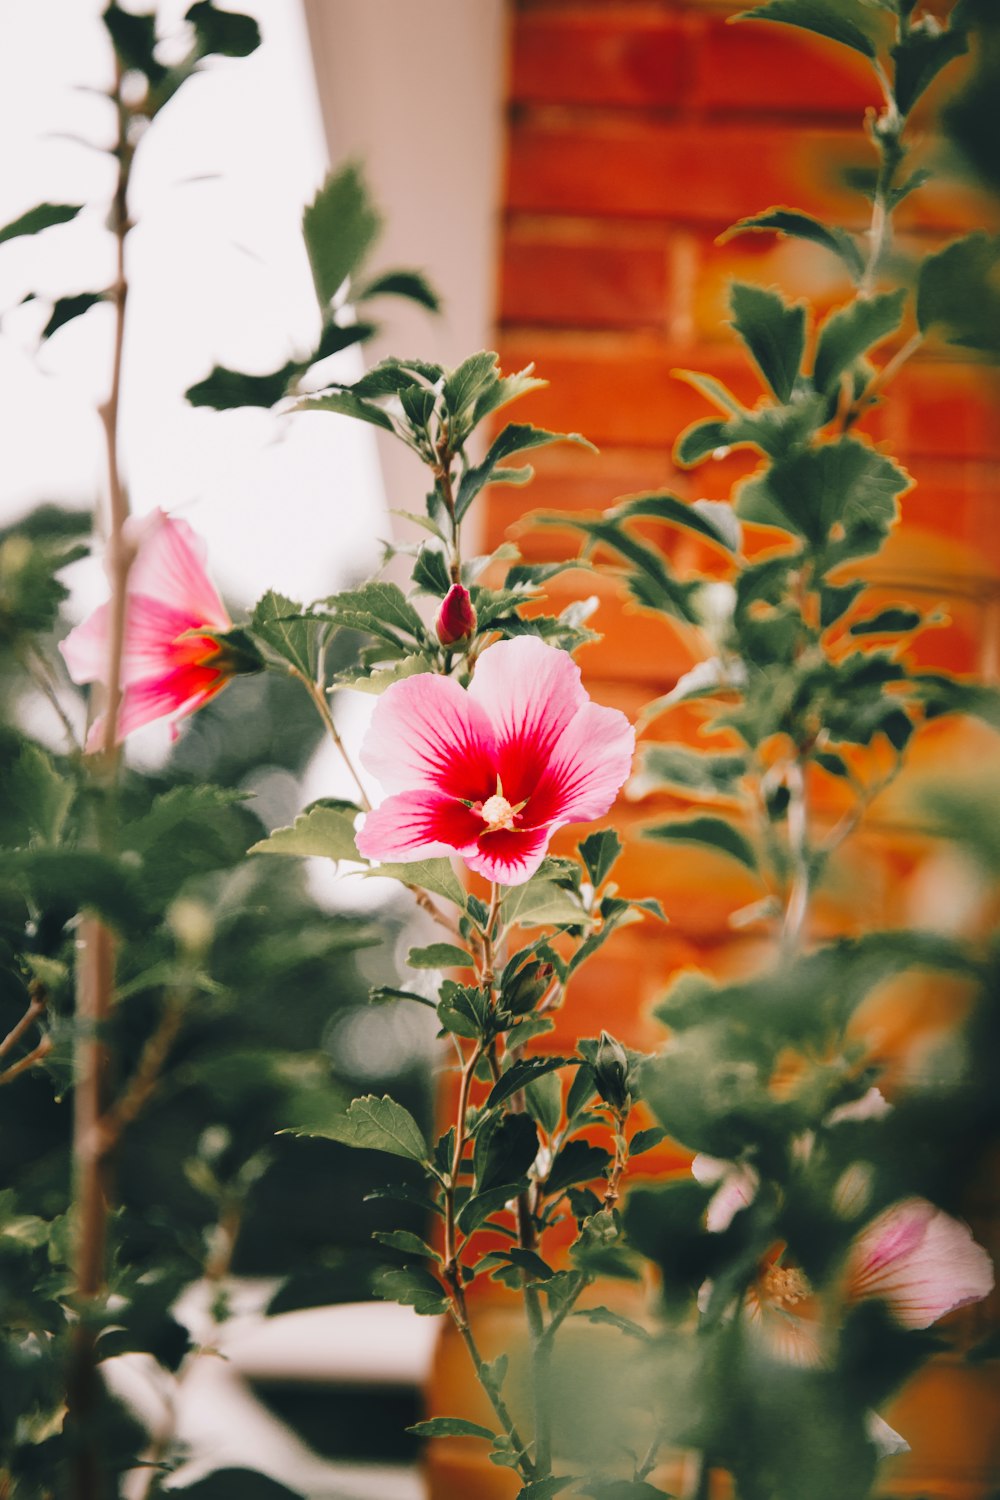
{"points": [[757, 67], [581, 285], [579, 57]]}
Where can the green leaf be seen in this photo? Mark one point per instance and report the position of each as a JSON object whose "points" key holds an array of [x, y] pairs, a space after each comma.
{"points": [[450, 1427], [477, 1209], [434, 875], [709, 519], [599, 852], [714, 833], [440, 956], [43, 216], [578, 1161], [845, 482], [324, 832], [774, 333], [225, 390], [520, 1073], [790, 221], [387, 994], [540, 902], [506, 1146], [224, 33], [650, 580], [379, 609], [281, 624], [919, 57], [374, 1124], [406, 1242], [845, 21], [893, 621], [65, 309], [410, 284], [645, 1140], [76, 880], [346, 404], [851, 331], [697, 771], [413, 1288], [134, 39], [37, 795], [515, 438], [546, 1489], [340, 226], [958, 292], [543, 1100]]}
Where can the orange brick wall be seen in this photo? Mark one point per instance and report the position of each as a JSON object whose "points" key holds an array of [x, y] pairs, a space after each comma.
{"points": [[637, 132]]}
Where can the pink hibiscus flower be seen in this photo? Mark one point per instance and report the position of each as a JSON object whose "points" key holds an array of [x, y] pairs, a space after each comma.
{"points": [[169, 668], [919, 1261], [491, 772]]}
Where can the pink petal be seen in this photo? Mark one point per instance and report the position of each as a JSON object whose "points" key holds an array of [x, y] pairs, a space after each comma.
{"points": [[418, 825], [918, 1260], [158, 639], [737, 1187], [509, 857], [172, 695], [427, 732], [588, 766], [169, 565], [530, 692], [85, 649]]}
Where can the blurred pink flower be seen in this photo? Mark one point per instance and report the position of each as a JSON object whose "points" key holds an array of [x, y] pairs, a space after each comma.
{"points": [[491, 772], [737, 1181], [919, 1261], [169, 669]]}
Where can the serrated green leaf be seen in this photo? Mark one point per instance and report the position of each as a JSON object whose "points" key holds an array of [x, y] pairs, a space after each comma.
{"points": [[450, 1427], [406, 1242], [893, 621], [225, 390], [39, 796], [852, 331], [704, 517], [843, 482], [506, 1147], [713, 833], [540, 902], [413, 1288], [477, 1209], [378, 608], [434, 875], [440, 956], [515, 438], [374, 1124], [845, 21], [280, 623], [134, 38], [65, 309], [320, 832], [543, 1100], [599, 851], [698, 772], [43, 216], [790, 221], [347, 404], [919, 57], [340, 226], [645, 1140], [958, 292], [578, 1161], [774, 333], [520, 1073], [613, 1319], [412, 285]]}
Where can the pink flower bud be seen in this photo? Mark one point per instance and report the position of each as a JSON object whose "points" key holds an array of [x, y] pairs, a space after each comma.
{"points": [[457, 618]]}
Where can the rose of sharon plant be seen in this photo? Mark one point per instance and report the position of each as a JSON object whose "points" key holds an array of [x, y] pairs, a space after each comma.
{"points": [[492, 771], [171, 662]]}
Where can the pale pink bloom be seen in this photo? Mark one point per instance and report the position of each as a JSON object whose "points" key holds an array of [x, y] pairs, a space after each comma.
{"points": [[169, 668], [919, 1261], [492, 772], [738, 1183]]}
